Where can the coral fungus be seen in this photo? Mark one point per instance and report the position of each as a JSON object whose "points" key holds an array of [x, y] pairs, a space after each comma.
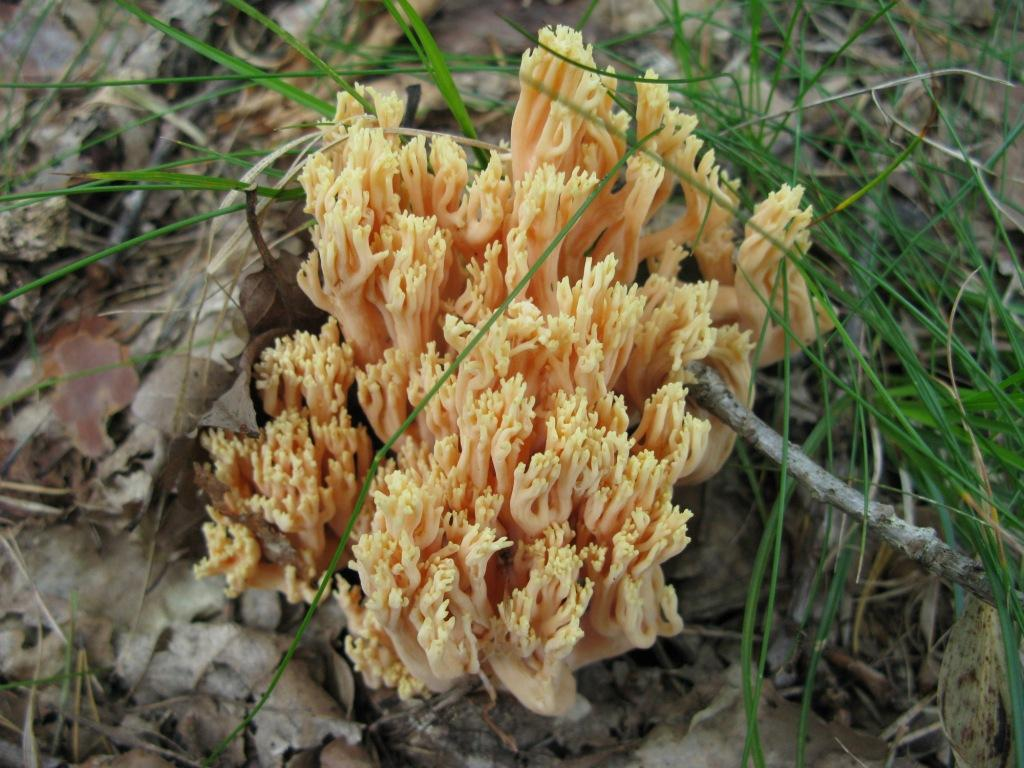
{"points": [[520, 528]]}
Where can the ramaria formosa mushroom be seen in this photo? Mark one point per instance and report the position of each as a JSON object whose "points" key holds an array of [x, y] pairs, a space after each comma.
{"points": [[520, 529], [777, 227], [287, 494]]}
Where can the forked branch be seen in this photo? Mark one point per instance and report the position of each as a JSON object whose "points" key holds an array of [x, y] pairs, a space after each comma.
{"points": [[920, 544]]}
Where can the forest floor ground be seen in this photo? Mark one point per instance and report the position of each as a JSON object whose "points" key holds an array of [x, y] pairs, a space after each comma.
{"points": [[113, 653]]}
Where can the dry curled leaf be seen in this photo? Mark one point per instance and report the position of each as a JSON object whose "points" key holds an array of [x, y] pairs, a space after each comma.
{"points": [[95, 381], [974, 700], [271, 298], [276, 546], [234, 409], [341, 681]]}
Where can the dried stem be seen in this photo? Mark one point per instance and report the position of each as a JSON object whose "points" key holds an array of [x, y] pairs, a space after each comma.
{"points": [[920, 544], [253, 220]]}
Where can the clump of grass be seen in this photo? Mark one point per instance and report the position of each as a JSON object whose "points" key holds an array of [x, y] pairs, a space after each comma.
{"points": [[928, 358]]}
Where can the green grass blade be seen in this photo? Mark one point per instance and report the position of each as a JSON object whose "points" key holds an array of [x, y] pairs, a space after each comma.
{"points": [[104, 137], [303, 49], [78, 264], [433, 59], [836, 592], [195, 181], [234, 63]]}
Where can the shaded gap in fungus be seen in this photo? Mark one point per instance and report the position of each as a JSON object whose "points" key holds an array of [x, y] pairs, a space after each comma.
{"points": [[358, 416], [689, 270]]}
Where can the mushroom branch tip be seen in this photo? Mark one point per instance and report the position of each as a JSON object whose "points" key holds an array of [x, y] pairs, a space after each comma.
{"points": [[520, 526]]}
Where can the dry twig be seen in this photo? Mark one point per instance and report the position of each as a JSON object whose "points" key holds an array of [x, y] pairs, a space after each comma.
{"points": [[920, 544]]}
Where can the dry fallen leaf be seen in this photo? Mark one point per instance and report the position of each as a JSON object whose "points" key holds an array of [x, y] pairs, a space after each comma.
{"points": [[222, 667], [202, 721], [35, 231], [973, 694], [341, 754], [123, 482], [715, 736], [271, 297], [234, 409], [136, 758], [302, 715], [178, 391], [261, 609], [342, 681], [83, 401], [92, 568]]}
